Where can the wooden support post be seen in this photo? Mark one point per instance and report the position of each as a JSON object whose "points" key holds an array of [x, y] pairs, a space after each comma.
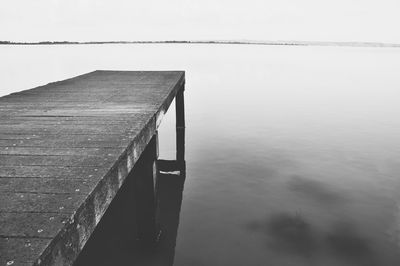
{"points": [[180, 127], [180, 108], [155, 165], [146, 203]]}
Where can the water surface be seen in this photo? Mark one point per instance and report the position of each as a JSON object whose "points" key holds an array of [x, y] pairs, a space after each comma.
{"points": [[293, 153]]}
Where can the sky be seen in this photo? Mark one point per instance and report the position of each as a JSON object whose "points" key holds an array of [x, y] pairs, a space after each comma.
{"points": [[130, 20]]}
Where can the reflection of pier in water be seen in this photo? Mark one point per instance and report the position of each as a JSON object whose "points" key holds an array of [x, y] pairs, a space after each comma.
{"points": [[140, 226]]}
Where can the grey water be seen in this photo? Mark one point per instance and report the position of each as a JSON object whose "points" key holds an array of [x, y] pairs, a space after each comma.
{"points": [[292, 152]]}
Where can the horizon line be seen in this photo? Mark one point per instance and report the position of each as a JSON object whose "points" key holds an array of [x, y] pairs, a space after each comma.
{"points": [[240, 42]]}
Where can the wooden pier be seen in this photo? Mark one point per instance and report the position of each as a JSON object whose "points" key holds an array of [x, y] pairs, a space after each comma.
{"points": [[67, 148]]}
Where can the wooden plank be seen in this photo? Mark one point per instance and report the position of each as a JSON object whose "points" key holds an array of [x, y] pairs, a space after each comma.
{"points": [[48, 185], [39, 202], [51, 172], [32, 225], [97, 113], [49, 120], [20, 251], [64, 141], [70, 129], [59, 151], [106, 119], [56, 160], [65, 150], [65, 89]]}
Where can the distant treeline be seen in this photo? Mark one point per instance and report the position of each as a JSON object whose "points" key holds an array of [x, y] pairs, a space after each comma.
{"points": [[148, 42], [38, 43], [301, 43]]}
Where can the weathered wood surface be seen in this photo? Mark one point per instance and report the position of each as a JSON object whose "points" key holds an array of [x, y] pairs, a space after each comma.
{"points": [[65, 150]]}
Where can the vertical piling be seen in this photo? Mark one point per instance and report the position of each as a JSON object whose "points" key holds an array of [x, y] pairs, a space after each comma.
{"points": [[180, 126]]}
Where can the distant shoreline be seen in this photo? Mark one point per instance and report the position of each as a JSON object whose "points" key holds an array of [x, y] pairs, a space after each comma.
{"points": [[289, 43]]}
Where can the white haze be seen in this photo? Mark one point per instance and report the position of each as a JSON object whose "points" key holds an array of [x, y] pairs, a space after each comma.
{"points": [[96, 20]]}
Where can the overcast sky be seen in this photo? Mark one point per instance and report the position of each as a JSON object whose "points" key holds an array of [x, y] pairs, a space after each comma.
{"points": [[85, 20]]}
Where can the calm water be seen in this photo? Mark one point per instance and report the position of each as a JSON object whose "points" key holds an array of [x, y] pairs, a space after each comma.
{"points": [[293, 153]]}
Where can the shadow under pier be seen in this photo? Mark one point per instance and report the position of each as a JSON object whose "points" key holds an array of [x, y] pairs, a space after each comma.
{"points": [[141, 224]]}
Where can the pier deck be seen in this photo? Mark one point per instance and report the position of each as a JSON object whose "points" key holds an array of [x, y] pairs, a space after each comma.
{"points": [[65, 150]]}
